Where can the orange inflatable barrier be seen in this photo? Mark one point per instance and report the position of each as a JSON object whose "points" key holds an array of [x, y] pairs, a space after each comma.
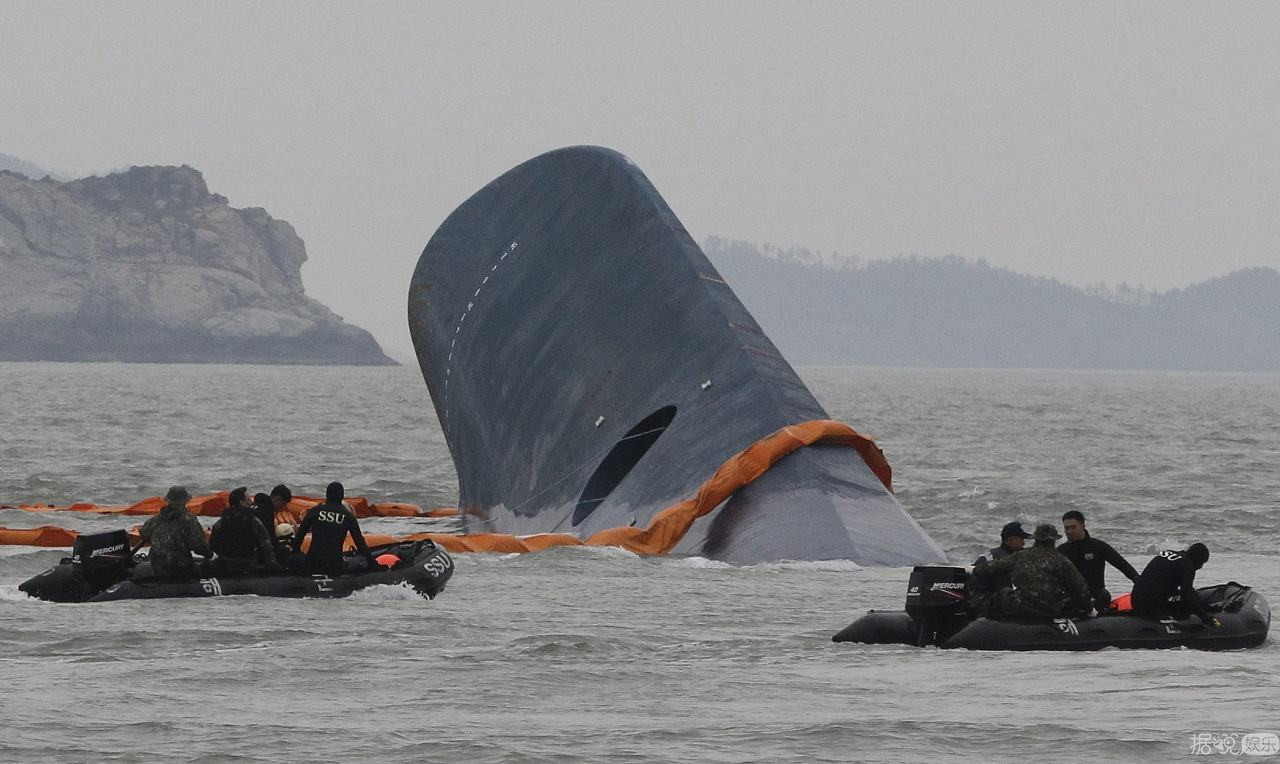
{"points": [[671, 524], [45, 535], [212, 505], [659, 537], [49, 535]]}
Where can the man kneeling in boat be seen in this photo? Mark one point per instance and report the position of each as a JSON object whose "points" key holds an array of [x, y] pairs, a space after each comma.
{"points": [[174, 534], [329, 523], [241, 542], [1167, 586], [1045, 583]]}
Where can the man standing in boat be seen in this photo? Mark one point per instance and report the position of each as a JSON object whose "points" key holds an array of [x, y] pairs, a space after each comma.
{"points": [[329, 523], [1044, 583], [1090, 556]]}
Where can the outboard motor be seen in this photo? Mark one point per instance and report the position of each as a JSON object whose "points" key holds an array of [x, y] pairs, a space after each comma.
{"points": [[937, 601], [97, 561], [102, 558]]}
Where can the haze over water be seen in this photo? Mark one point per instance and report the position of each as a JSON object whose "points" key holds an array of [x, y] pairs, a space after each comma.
{"points": [[595, 654]]}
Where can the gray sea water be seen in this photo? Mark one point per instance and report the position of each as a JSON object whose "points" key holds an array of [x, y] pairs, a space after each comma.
{"points": [[584, 655]]}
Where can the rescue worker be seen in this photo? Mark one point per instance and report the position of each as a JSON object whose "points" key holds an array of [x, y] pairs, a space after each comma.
{"points": [[1012, 539], [1090, 556], [1167, 586], [329, 523], [285, 555], [982, 591], [1044, 583], [174, 534], [240, 541], [265, 510], [280, 498]]}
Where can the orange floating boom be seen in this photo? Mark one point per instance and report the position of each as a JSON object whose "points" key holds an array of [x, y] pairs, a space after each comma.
{"points": [[659, 537], [212, 505]]}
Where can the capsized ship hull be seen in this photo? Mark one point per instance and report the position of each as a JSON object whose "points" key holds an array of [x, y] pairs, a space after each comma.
{"points": [[590, 367]]}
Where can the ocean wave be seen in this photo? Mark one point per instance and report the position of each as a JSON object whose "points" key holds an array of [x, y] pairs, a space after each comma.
{"points": [[401, 592], [27, 551], [834, 566], [699, 562], [10, 593]]}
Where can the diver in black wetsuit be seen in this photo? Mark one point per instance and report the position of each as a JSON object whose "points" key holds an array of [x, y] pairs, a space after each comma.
{"points": [[1167, 585], [280, 498], [1090, 556], [329, 523], [264, 509]]}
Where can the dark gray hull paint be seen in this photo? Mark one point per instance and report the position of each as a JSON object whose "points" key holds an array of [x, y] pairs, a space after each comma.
{"points": [[561, 306]]}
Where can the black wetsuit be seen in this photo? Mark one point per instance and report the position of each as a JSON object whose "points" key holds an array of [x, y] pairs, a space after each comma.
{"points": [[329, 525], [266, 514], [1167, 587], [1090, 556]]}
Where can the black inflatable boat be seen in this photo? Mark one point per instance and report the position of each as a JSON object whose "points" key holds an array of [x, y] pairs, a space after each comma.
{"points": [[101, 569], [936, 615]]}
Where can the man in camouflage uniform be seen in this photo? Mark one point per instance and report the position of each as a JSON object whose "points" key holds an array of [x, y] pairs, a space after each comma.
{"points": [[174, 534], [1044, 582]]}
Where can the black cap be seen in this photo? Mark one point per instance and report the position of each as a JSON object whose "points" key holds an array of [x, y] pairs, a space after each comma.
{"points": [[283, 492], [1198, 554], [1013, 529], [334, 492]]}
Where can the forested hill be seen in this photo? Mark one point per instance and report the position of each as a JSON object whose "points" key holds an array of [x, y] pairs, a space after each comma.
{"points": [[951, 312]]}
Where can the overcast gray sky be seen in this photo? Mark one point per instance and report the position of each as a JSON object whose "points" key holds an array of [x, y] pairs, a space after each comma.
{"points": [[1135, 142]]}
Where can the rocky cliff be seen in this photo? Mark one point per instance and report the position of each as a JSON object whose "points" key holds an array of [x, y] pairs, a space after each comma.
{"points": [[148, 265]]}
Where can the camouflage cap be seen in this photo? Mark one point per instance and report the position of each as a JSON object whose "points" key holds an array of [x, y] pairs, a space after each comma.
{"points": [[1046, 532], [177, 495]]}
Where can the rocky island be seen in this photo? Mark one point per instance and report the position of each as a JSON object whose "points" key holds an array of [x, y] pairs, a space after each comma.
{"points": [[148, 265]]}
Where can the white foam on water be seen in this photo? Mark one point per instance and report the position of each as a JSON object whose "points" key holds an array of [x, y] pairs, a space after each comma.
{"points": [[616, 552], [699, 562], [838, 566], [10, 593], [1156, 547], [400, 592]]}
